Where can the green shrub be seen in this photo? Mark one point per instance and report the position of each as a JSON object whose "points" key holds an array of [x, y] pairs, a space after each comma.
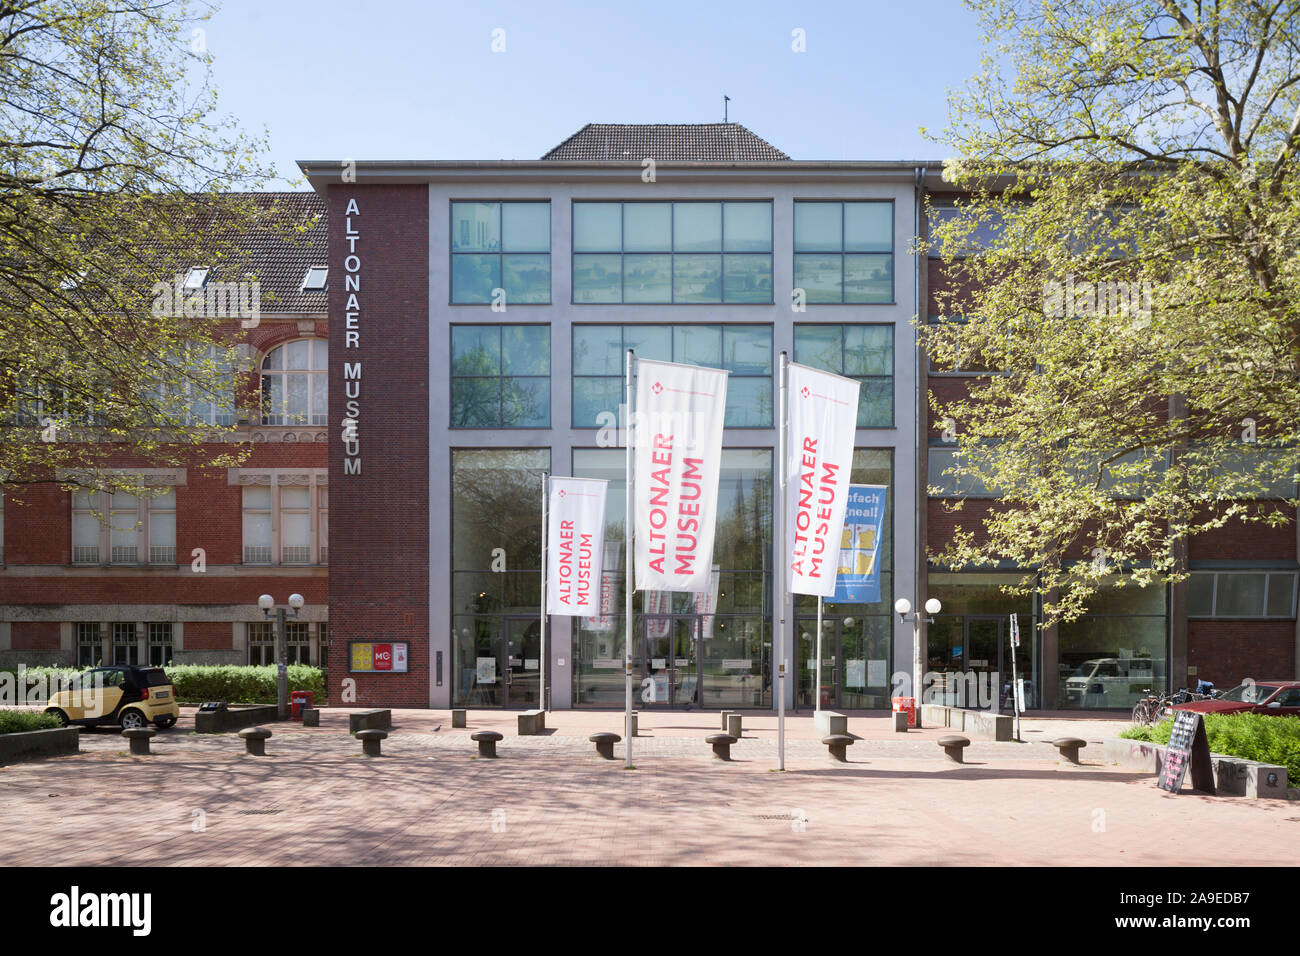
{"points": [[1274, 740], [195, 683], [17, 721]]}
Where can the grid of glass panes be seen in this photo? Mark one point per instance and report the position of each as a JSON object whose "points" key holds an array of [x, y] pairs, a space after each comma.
{"points": [[257, 524], [298, 642], [322, 644], [195, 403], [501, 245], [743, 350], [126, 647], [162, 528], [295, 524], [843, 251], [672, 252], [1242, 594], [85, 527], [261, 643], [124, 532], [295, 383], [160, 643], [862, 352], [90, 646], [500, 376]]}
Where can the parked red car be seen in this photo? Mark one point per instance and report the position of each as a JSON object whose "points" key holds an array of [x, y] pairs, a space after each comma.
{"points": [[1276, 697]]}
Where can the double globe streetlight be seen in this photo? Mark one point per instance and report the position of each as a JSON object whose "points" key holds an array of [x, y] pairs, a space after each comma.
{"points": [[267, 604], [905, 613]]}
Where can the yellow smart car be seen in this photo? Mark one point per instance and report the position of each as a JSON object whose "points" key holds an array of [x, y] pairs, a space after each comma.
{"points": [[124, 694]]}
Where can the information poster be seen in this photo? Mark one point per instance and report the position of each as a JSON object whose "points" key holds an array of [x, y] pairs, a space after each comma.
{"points": [[485, 670], [858, 581], [369, 658]]}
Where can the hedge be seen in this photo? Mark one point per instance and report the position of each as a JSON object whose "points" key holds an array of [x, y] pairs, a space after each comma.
{"points": [[18, 721], [195, 683], [1260, 737]]}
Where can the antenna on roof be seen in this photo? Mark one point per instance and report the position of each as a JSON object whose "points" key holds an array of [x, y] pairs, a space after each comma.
{"points": [[725, 100]]}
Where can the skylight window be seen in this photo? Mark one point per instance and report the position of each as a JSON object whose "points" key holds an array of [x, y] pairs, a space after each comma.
{"points": [[196, 279], [315, 280]]}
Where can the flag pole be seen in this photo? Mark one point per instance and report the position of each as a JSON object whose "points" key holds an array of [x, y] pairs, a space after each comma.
{"points": [[818, 705], [541, 690], [629, 524], [778, 570]]}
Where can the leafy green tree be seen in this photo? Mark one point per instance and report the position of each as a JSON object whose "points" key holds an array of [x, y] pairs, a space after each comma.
{"points": [[115, 174], [1123, 255]]}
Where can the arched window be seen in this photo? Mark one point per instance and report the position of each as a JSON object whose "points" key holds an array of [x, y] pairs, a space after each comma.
{"points": [[294, 383]]}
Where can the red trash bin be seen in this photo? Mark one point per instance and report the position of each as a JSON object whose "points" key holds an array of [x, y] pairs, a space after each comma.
{"points": [[906, 705], [298, 701]]}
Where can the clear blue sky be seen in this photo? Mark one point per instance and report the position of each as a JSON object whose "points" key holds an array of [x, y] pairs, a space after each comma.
{"points": [[397, 79]]}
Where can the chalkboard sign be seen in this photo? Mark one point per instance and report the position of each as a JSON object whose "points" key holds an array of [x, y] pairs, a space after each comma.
{"points": [[1188, 745]]}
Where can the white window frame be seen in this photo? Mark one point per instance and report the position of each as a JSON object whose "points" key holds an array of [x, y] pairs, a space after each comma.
{"points": [[79, 639], [317, 482], [101, 506], [317, 382], [155, 631], [307, 285], [1268, 574]]}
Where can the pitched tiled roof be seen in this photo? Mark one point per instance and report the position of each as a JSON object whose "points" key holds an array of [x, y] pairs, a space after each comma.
{"points": [[666, 143], [279, 253]]}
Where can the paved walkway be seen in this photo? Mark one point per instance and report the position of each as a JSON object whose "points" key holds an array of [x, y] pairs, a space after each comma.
{"points": [[549, 800]]}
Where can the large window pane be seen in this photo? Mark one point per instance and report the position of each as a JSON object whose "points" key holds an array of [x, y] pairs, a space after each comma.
{"points": [[819, 277], [526, 402], [649, 342], [597, 278], [526, 350], [496, 504], [697, 227], [647, 278], [475, 350], [592, 396], [597, 227], [820, 346], [473, 277], [597, 350], [818, 227], [747, 278], [868, 278], [868, 350], [868, 226], [747, 350], [876, 403], [1240, 595], [698, 345], [647, 227], [475, 402], [527, 279], [475, 227], [697, 278], [1281, 591], [526, 227], [749, 402], [1200, 595], [748, 227]]}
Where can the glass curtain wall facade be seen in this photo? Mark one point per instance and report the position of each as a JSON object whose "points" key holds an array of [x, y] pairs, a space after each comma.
{"points": [[710, 651], [857, 639], [969, 644]]}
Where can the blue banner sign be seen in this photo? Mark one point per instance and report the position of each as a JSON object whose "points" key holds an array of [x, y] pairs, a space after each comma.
{"points": [[858, 581]]}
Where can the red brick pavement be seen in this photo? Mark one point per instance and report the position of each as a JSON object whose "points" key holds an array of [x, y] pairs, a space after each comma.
{"points": [[549, 800]]}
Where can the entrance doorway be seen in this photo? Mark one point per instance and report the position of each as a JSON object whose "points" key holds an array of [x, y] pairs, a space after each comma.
{"points": [[505, 670], [971, 654], [670, 661]]}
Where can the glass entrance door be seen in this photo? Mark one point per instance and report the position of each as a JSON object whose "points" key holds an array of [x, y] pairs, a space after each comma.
{"points": [[522, 662], [983, 661], [670, 661], [831, 657]]}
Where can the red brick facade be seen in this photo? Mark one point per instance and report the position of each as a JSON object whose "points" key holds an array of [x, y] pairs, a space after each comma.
{"points": [[377, 592]]}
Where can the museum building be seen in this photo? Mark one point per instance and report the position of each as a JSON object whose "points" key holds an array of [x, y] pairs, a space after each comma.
{"points": [[452, 331]]}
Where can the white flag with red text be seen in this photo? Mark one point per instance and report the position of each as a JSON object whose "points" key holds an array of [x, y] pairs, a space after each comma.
{"points": [[680, 410], [823, 412], [575, 544]]}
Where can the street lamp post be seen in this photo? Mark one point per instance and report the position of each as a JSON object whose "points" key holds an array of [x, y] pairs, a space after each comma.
{"points": [[267, 604], [905, 613]]}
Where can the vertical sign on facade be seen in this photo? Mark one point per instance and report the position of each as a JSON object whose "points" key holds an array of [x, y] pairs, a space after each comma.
{"points": [[351, 423], [680, 411], [575, 545], [823, 420]]}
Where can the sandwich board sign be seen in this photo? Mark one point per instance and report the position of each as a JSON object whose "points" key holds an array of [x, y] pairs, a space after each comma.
{"points": [[1188, 745]]}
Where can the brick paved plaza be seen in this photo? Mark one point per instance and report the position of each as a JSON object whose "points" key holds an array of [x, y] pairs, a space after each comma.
{"points": [[549, 800]]}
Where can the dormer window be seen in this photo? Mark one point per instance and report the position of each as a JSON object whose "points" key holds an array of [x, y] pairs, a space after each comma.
{"points": [[315, 280], [196, 279]]}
